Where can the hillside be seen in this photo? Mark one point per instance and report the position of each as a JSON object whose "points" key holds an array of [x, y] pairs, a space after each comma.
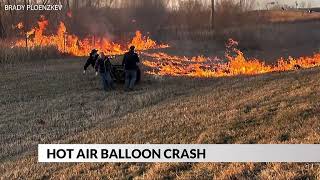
{"points": [[291, 15], [52, 102]]}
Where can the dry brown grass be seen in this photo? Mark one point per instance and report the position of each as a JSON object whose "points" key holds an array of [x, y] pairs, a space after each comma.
{"points": [[51, 102], [18, 55], [290, 16]]}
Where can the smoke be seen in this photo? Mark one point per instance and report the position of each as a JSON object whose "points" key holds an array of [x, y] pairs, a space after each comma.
{"points": [[119, 23], [88, 21]]}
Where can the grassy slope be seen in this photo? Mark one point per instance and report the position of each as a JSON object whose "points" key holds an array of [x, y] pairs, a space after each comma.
{"points": [[52, 103], [291, 15]]}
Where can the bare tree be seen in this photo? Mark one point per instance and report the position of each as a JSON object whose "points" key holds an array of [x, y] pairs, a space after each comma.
{"points": [[212, 14], [2, 30]]}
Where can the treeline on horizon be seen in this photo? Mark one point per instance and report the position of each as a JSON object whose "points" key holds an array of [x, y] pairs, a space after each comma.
{"points": [[119, 18]]}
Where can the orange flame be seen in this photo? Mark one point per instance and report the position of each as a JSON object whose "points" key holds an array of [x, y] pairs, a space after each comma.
{"points": [[145, 43], [73, 45], [164, 64], [161, 63], [20, 25]]}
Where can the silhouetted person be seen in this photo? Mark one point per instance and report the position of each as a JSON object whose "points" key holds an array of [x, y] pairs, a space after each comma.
{"points": [[91, 60], [130, 63], [103, 66]]}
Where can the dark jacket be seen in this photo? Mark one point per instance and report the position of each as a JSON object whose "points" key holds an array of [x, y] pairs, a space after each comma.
{"points": [[103, 65], [93, 57], [130, 61]]}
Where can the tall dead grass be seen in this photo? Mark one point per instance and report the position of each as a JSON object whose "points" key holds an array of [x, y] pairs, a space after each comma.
{"points": [[231, 13], [15, 55]]}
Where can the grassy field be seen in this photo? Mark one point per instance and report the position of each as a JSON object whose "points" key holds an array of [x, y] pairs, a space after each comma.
{"points": [[52, 102], [290, 15]]}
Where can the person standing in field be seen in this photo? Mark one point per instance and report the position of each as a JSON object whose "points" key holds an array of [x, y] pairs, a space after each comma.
{"points": [[130, 63], [91, 60], [103, 66]]}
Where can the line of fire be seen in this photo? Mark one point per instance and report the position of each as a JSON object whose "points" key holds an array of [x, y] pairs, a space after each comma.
{"points": [[235, 62]]}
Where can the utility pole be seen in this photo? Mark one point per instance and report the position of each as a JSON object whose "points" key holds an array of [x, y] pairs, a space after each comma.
{"points": [[212, 14], [27, 37], [65, 42], [26, 19], [94, 40]]}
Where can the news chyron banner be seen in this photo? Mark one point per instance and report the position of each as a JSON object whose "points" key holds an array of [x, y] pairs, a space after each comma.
{"points": [[178, 153]]}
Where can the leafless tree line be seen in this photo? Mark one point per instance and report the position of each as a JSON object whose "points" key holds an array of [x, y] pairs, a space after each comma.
{"points": [[117, 18]]}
